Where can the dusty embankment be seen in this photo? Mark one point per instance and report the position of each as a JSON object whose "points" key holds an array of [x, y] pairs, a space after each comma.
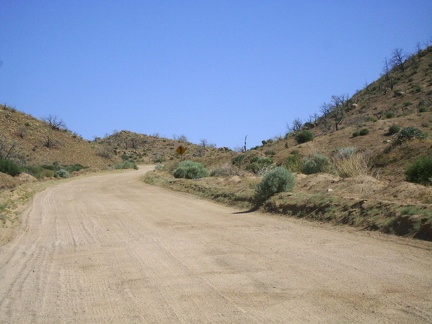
{"points": [[109, 248], [403, 208]]}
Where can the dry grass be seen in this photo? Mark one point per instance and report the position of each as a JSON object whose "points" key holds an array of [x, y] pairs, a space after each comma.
{"points": [[354, 165]]}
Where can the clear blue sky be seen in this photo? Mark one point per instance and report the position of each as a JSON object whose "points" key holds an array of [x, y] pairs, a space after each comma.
{"points": [[213, 69]]}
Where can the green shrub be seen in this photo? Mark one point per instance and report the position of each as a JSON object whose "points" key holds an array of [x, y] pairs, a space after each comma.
{"points": [[275, 181], [393, 129], [389, 114], [316, 164], [238, 160], [294, 162], [304, 136], [51, 167], [9, 167], [410, 133], [356, 133], [364, 132], [74, 167], [62, 173], [420, 171], [270, 153], [190, 170], [39, 172], [258, 164], [126, 165]]}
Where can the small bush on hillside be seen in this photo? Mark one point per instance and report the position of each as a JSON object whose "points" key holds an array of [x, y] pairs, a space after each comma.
{"points": [[62, 173], [258, 164], [126, 165], [361, 132], [270, 153], [393, 129], [39, 172], [238, 160], [364, 132], [316, 164], [389, 114], [345, 152], [9, 167], [294, 162], [411, 133], [420, 171], [190, 170], [74, 167], [304, 136], [275, 181]]}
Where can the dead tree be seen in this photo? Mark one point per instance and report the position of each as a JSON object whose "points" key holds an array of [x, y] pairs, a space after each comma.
{"points": [[398, 59], [54, 122]]}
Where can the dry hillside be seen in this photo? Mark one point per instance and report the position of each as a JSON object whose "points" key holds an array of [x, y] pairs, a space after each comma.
{"points": [[399, 97], [154, 149], [31, 141]]}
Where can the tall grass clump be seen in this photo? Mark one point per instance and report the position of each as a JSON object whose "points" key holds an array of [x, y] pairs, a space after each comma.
{"points": [[294, 162], [277, 180], [348, 162], [420, 171], [190, 170], [317, 163]]}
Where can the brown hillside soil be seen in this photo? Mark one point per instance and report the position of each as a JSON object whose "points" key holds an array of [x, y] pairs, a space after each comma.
{"points": [[36, 143]]}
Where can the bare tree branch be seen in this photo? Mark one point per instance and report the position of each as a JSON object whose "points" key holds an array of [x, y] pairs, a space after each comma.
{"points": [[54, 122]]}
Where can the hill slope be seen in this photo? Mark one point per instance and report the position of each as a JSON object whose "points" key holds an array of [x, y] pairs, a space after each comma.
{"points": [[31, 141], [399, 97]]}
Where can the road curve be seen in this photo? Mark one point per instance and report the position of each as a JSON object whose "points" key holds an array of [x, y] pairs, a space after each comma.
{"points": [[111, 249]]}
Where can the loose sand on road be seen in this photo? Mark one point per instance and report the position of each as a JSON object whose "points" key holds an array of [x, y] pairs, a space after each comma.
{"points": [[111, 249]]}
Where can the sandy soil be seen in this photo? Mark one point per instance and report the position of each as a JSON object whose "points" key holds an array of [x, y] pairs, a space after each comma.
{"points": [[109, 248]]}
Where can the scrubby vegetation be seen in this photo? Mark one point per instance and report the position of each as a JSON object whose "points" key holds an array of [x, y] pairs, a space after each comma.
{"points": [[411, 133], [420, 171], [126, 165], [351, 165], [393, 129], [304, 136], [294, 162], [62, 173], [9, 167], [190, 170], [317, 163], [275, 181], [259, 164]]}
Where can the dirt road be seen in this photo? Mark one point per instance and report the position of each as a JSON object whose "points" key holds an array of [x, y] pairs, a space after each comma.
{"points": [[111, 249]]}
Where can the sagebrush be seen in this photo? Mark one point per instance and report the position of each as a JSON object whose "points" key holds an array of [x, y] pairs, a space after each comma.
{"points": [[275, 181], [190, 170], [317, 163], [420, 171]]}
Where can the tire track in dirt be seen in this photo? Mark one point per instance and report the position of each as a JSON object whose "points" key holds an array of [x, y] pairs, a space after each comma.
{"points": [[109, 248]]}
